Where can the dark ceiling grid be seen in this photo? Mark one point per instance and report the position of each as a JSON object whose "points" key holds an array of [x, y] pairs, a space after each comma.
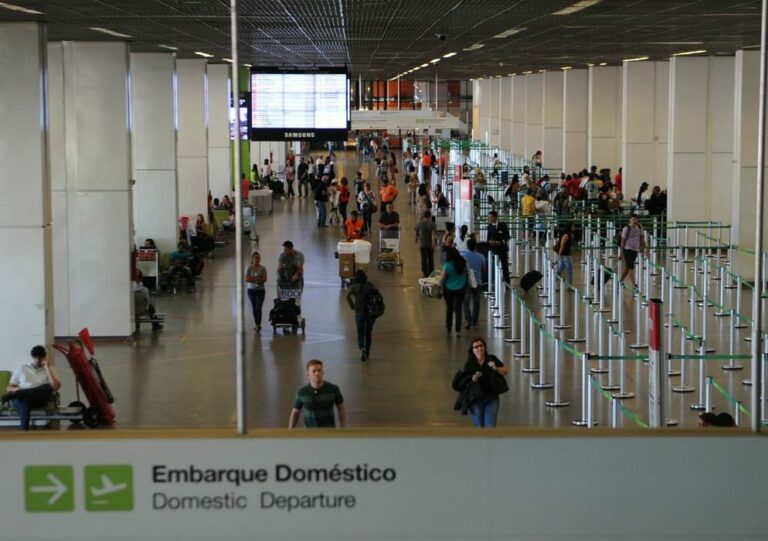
{"points": [[393, 36]]}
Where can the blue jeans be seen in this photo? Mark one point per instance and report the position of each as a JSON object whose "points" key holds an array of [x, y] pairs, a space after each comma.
{"points": [[566, 263], [364, 331], [472, 305], [322, 212], [256, 296], [484, 411], [28, 399]]}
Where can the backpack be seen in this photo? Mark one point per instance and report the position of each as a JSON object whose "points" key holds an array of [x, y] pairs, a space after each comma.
{"points": [[373, 302]]}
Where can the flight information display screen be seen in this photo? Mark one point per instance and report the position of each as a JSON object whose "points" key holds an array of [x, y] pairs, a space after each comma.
{"points": [[298, 105]]}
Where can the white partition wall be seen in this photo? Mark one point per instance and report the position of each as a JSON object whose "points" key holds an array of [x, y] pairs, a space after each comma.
{"points": [[518, 114], [688, 198], [219, 158], [644, 126], [274, 151], [505, 125], [192, 140], [604, 117], [534, 111], [552, 143], [575, 94], [476, 105], [92, 199], [155, 196], [483, 129], [720, 143], [26, 296], [745, 124], [495, 112]]}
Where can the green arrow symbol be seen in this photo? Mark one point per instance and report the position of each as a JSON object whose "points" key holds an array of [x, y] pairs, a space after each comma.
{"points": [[56, 488]]}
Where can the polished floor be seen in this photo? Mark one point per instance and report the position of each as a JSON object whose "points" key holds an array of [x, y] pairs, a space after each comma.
{"points": [[185, 376]]}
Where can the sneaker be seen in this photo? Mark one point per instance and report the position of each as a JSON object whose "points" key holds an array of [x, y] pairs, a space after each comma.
{"points": [[362, 355]]}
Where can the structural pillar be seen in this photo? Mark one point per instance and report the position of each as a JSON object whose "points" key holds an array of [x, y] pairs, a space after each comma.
{"points": [[505, 126], [155, 193], [192, 139], [495, 112], [575, 92], [518, 115], [483, 128], [26, 297], [219, 147], [552, 144], [534, 112], [604, 117]]}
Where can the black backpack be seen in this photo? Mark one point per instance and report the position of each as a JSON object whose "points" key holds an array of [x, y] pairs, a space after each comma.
{"points": [[373, 302]]}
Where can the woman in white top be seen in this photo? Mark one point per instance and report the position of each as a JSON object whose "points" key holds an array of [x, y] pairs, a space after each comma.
{"points": [[366, 200], [266, 172]]}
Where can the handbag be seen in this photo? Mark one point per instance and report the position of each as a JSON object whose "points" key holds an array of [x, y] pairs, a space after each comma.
{"points": [[374, 208], [471, 278], [498, 383]]}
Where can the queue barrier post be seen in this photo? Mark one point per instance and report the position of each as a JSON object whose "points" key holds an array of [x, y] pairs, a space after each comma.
{"points": [[557, 401], [601, 369], [623, 394], [638, 336], [562, 318], [732, 343], [575, 339], [542, 383], [670, 335], [531, 368], [585, 419], [511, 339], [702, 403], [522, 353]]}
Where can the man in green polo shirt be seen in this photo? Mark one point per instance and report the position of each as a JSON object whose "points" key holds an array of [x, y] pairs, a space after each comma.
{"points": [[317, 400]]}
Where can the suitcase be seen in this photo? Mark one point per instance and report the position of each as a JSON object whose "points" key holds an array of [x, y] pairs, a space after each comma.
{"points": [[285, 313], [530, 279]]}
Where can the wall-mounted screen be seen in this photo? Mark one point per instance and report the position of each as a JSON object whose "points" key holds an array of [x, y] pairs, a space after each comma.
{"points": [[240, 119], [295, 105]]}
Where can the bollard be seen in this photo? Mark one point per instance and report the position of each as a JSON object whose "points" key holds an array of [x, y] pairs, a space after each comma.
{"points": [[732, 344], [692, 313], [489, 292], [739, 287], [522, 353], [623, 394], [576, 338], [708, 395], [614, 300], [611, 386], [590, 400], [721, 296], [682, 387], [670, 335], [638, 337], [557, 401], [614, 413], [704, 305], [542, 383], [501, 294], [511, 339], [737, 413], [516, 270], [584, 394], [701, 404], [531, 368], [587, 331], [600, 350], [561, 317], [663, 289]]}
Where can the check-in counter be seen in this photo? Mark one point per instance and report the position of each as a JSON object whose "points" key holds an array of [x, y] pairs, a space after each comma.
{"points": [[260, 200]]}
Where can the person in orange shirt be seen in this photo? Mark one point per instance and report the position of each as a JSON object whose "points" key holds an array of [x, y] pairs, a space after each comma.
{"points": [[443, 161], [388, 193], [353, 226], [426, 166]]}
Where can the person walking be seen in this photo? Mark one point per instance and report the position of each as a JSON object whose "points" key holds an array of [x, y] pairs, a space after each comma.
{"points": [[565, 261], [425, 237], [481, 371], [358, 294], [454, 282], [316, 400], [476, 262], [256, 277], [632, 241], [367, 202]]}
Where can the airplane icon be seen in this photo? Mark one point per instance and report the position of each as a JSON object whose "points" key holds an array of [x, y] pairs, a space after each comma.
{"points": [[107, 487]]}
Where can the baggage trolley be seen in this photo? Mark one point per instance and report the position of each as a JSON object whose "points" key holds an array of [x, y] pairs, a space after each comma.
{"points": [[430, 286], [79, 354], [286, 313], [389, 249]]}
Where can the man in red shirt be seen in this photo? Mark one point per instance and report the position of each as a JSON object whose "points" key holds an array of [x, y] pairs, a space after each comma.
{"points": [[617, 181], [388, 193], [245, 186]]}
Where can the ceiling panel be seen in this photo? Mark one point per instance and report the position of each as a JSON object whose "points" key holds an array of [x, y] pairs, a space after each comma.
{"points": [[384, 38]]}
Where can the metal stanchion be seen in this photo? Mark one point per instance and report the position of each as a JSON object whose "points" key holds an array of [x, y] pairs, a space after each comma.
{"points": [[729, 270], [501, 295], [590, 400], [576, 338], [542, 383], [602, 309], [700, 405], [692, 313], [638, 336], [739, 287], [682, 387], [737, 413], [615, 300], [601, 369], [511, 339], [623, 394], [493, 301], [587, 326], [683, 274], [522, 353], [611, 386], [531, 368], [489, 293], [670, 335], [721, 297], [557, 401], [561, 317], [587, 279], [708, 394], [516, 270], [586, 412], [686, 253], [732, 344], [614, 413], [704, 305]]}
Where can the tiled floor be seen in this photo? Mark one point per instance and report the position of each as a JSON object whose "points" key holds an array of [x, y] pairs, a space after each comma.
{"points": [[185, 376]]}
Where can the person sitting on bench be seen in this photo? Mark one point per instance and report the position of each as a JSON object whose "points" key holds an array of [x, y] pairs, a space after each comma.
{"points": [[32, 385]]}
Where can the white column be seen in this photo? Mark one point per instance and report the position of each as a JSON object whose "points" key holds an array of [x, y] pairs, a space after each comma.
{"points": [[476, 106], [720, 140], [552, 145], [506, 114], [483, 130], [192, 141], [534, 112], [745, 123], [495, 112], [219, 151], [26, 296], [153, 105], [688, 195], [661, 123], [575, 93], [518, 115], [604, 117], [92, 214]]}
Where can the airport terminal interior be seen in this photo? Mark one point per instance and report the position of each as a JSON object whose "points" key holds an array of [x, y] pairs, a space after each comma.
{"points": [[472, 62]]}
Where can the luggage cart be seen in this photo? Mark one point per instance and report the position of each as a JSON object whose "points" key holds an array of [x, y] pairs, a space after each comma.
{"points": [[79, 354], [389, 249], [286, 313]]}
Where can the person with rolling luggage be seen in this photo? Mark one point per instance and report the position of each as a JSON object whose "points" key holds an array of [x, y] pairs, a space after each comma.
{"points": [[366, 301]]}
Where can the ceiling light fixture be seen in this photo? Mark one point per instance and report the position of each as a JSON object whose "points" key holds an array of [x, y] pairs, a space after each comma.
{"points": [[638, 59], [227, 60], [169, 47], [434, 61], [204, 55], [110, 32], [603, 64], [249, 66], [566, 68], [687, 53], [20, 9], [578, 6], [590, 65], [510, 32], [527, 72], [424, 65], [449, 55], [475, 47]]}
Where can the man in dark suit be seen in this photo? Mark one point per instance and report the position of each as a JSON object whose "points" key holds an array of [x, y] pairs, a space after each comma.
{"points": [[498, 237]]}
